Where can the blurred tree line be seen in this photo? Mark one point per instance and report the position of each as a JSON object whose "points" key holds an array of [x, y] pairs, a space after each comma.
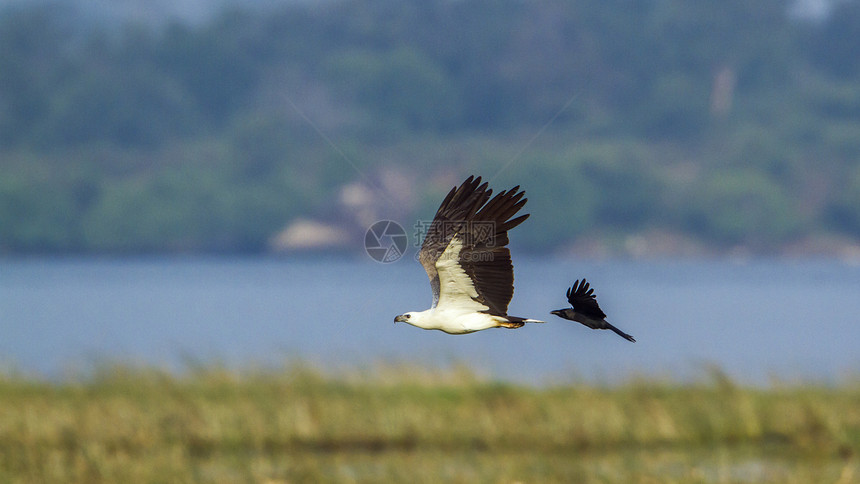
{"points": [[732, 123]]}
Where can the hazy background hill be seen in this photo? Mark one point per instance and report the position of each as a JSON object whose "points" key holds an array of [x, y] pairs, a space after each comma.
{"points": [[644, 127]]}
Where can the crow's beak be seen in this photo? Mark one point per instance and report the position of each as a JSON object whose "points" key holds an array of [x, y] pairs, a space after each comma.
{"points": [[557, 312]]}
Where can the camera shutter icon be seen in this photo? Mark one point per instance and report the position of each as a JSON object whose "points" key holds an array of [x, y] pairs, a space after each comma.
{"points": [[385, 241]]}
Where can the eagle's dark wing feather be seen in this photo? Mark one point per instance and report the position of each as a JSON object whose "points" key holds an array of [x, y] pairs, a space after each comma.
{"points": [[485, 256]]}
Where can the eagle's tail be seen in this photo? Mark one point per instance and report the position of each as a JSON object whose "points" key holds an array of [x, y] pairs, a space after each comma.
{"points": [[514, 322]]}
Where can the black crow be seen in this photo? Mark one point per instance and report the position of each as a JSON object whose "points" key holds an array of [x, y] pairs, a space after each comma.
{"points": [[585, 309]]}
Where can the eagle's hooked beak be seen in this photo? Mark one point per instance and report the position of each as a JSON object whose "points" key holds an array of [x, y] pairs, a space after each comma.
{"points": [[399, 319]]}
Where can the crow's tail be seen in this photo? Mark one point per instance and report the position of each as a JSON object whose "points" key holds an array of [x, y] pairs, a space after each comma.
{"points": [[620, 333]]}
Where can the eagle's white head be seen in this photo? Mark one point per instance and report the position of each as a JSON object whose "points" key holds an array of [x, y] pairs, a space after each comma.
{"points": [[415, 318]]}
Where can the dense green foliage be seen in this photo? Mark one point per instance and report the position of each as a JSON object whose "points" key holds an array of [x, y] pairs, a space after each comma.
{"points": [[730, 123], [400, 424]]}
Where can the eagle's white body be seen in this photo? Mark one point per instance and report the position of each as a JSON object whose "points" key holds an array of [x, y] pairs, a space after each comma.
{"points": [[453, 320]]}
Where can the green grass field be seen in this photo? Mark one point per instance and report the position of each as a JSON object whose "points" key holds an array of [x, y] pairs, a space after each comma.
{"points": [[122, 424]]}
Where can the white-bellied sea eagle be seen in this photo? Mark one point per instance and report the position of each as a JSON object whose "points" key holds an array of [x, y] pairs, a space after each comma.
{"points": [[467, 260]]}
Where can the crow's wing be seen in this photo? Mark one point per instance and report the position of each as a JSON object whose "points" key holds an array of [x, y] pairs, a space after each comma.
{"points": [[583, 300]]}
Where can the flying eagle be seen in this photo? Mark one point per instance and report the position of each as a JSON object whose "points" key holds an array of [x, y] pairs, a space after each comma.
{"points": [[585, 309], [465, 255]]}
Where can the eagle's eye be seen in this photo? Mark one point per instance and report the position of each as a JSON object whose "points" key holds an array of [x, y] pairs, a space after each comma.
{"points": [[408, 316]]}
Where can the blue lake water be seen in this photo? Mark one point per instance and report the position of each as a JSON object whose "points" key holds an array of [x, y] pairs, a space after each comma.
{"points": [[758, 320]]}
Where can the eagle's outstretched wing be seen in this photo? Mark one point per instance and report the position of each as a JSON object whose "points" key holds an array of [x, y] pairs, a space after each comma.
{"points": [[465, 250]]}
